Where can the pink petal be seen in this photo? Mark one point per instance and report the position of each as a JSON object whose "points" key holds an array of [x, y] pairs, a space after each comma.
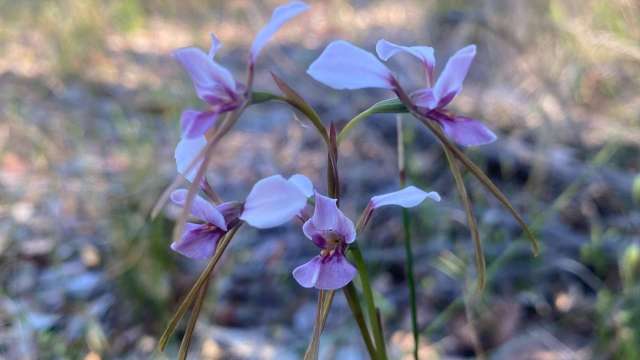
{"points": [[280, 15], [186, 152], [335, 273], [196, 123], [387, 49], [327, 217], [215, 46], [345, 66], [450, 81], [210, 80], [307, 274], [200, 208], [303, 183], [195, 243], [272, 202], [467, 132], [424, 98], [408, 197]]}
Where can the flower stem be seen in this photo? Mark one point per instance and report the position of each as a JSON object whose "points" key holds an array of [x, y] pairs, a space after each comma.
{"points": [[368, 298], [356, 309]]}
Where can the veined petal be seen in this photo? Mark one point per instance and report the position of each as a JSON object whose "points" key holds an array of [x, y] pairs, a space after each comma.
{"points": [[272, 202], [215, 46], [196, 243], [211, 80], [467, 132], [186, 152], [303, 183], [408, 197], [450, 81], [345, 66], [195, 123], [387, 49], [335, 273], [281, 15], [424, 98], [200, 208], [307, 274]]}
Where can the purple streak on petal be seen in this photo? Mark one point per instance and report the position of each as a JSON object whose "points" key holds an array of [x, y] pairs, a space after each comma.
{"points": [[200, 208], [197, 243], [450, 81], [335, 273], [303, 183], [272, 202], [307, 274], [408, 197], [195, 123], [319, 240], [186, 152], [280, 16], [345, 66], [210, 80], [425, 54], [467, 132], [424, 98], [215, 46]]}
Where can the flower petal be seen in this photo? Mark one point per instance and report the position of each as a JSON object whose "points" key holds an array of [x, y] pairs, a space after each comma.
{"points": [[450, 81], [272, 202], [408, 197], [424, 98], [467, 132], [307, 274], [186, 152], [335, 273], [303, 183], [200, 208], [387, 49], [280, 15], [195, 123], [210, 80], [195, 243], [215, 46], [327, 217], [345, 66]]}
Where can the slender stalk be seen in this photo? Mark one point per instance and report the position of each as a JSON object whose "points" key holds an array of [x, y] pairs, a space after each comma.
{"points": [[406, 223], [354, 304], [369, 301], [195, 313]]}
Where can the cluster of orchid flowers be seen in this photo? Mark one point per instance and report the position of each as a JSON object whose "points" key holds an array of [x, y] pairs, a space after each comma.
{"points": [[276, 200]]}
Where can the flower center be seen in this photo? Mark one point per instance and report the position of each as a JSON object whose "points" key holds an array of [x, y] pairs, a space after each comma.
{"points": [[209, 227], [333, 242]]}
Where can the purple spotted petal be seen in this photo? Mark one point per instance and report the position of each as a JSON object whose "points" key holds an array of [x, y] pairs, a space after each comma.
{"points": [[303, 183], [424, 98], [467, 132], [186, 152], [200, 208], [196, 123], [345, 66], [450, 81], [327, 217], [272, 202], [387, 49], [280, 16], [331, 274], [213, 83], [408, 197], [196, 243]]}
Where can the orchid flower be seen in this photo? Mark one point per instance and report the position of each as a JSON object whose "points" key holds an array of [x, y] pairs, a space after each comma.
{"points": [[331, 231], [343, 65], [214, 84], [272, 202]]}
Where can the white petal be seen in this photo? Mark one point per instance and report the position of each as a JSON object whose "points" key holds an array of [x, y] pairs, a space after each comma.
{"points": [[387, 49], [280, 15], [273, 201], [186, 152], [407, 197], [303, 183]]}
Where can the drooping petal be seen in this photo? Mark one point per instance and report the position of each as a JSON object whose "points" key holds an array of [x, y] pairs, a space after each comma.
{"points": [[467, 132], [186, 152], [424, 98], [387, 49], [280, 15], [272, 202], [345, 66], [211, 80], [200, 208], [195, 123], [215, 46], [335, 273], [327, 217], [303, 183], [450, 81], [307, 274], [408, 197], [196, 243]]}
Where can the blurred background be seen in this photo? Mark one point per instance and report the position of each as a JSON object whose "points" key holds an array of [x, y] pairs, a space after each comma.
{"points": [[89, 105]]}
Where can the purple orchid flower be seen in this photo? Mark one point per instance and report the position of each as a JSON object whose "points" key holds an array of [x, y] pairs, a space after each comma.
{"points": [[272, 202], [214, 84], [331, 231], [345, 66]]}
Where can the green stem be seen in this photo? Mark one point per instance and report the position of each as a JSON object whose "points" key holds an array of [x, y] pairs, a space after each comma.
{"points": [[368, 298], [356, 309]]}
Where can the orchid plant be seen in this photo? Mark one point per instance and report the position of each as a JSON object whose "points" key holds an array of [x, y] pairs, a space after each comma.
{"points": [[208, 223]]}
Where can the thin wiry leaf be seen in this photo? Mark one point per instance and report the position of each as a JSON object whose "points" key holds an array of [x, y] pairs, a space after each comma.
{"points": [[325, 298], [351, 295], [193, 319]]}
